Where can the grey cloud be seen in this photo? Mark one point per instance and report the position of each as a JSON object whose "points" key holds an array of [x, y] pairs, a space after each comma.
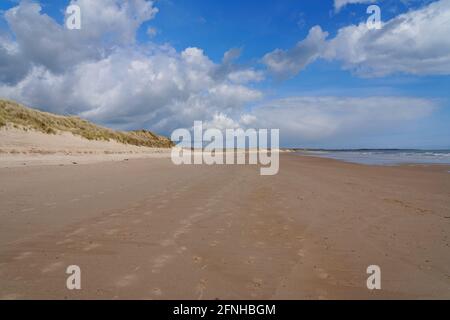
{"points": [[286, 63], [13, 65], [114, 80], [315, 120], [105, 25]]}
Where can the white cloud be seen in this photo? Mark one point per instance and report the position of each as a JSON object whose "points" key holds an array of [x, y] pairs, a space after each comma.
{"points": [[114, 19], [245, 76], [285, 63], [222, 122], [109, 78], [416, 42], [101, 72], [162, 90], [41, 41], [339, 4]]}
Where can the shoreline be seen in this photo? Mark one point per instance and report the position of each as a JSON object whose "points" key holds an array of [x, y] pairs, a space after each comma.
{"points": [[66, 157], [382, 157]]}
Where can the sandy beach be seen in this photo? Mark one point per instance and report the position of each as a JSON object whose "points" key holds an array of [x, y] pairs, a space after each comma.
{"points": [[32, 148], [147, 229]]}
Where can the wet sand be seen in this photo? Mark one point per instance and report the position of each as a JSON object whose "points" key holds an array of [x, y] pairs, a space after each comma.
{"points": [[146, 229]]}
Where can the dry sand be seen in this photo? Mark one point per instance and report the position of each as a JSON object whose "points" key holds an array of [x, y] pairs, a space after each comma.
{"points": [[146, 229], [19, 148]]}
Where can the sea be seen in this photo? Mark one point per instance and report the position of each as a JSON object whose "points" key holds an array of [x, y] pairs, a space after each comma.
{"points": [[384, 157]]}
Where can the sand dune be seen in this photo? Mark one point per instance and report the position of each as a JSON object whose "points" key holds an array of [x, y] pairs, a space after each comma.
{"points": [[32, 137], [19, 147]]}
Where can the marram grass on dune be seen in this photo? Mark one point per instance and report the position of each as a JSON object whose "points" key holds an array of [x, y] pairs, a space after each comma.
{"points": [[20, 116]]}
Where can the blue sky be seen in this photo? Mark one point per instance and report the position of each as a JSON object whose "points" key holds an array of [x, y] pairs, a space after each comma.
{"points": [[304, 67]]}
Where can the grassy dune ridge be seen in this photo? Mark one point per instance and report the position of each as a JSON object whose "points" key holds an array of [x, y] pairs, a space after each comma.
{"points": [[20, 116]]}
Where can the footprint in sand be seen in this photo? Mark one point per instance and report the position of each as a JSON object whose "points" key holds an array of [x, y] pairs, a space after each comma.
{"points": [[195, 215], [53, 267], [92, 246], [23, 255], [167, 242], [200, 289], [50, 204], [322, 274], [199, 209], [255, 287], [76, 232], [214, 243], [288, 245], [321, 294], [157, 292], [126, 280], [111, 232], [250, 260], [260, 244], [66, 241], [181, 250], [257, 283], [160, 262], [181, 231]]}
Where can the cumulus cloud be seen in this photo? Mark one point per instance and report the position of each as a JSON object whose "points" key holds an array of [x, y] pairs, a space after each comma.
{"points": [[13, 65], [285, 63], [101, 73], [114, 20], [42, 41], [245, 76], [222, 122], [415, 42]]}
